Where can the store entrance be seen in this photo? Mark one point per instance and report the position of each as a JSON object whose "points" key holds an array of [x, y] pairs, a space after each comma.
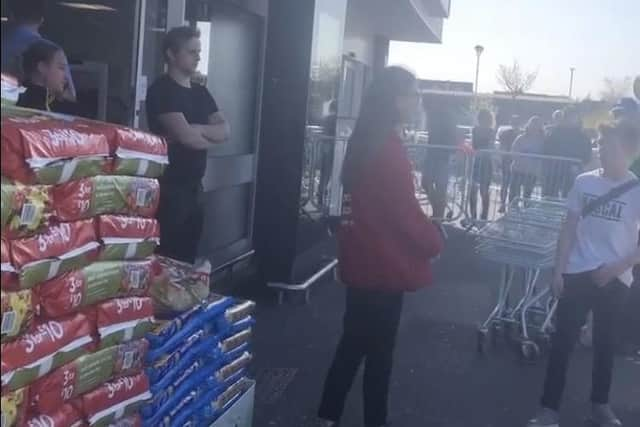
{"points": [[232, 51]]}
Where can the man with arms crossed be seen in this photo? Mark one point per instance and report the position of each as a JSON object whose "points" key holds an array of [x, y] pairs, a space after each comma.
{"points": [[187, 115]]}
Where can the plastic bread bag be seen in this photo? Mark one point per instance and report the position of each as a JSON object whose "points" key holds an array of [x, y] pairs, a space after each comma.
{"points": [[127, 238], [164, 407], [114, 400], [46, 150], [61, 248], [181, 287], [65, 415], [235, 314], [46, 347], [123, 319], [94, 283], [200, 355], [86, 373], [103, 195], [164, 362], [137, 153], [173, 333]]}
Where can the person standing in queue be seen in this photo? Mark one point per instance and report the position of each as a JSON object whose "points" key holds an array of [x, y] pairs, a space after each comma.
{"points": [[597, 250], [385, 242], [482, 138], [187, 115], [506, 138]]}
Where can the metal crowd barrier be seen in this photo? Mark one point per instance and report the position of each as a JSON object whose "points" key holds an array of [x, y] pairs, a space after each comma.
{"points": [[497, 177], [321, 191], [452, 183], [441, 175]]}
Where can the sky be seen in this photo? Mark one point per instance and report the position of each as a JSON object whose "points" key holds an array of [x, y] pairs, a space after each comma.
{"points": [[600, 38]]}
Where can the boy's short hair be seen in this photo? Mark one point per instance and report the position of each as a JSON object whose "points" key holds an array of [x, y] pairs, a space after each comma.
{"points": [[29, 11], [176, 38]]}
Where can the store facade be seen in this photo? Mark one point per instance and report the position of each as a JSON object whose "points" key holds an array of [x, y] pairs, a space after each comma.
{"points": [[274, 66]]}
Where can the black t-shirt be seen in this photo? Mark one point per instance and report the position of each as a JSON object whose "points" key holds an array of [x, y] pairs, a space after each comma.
{"points": [[186, 165]]}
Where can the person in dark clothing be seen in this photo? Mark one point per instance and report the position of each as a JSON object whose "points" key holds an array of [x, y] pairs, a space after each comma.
{"points": [[482, 138], [385, 243], [187, 115], [443, 135], [567, 141], [44, 66], [507, 137]]}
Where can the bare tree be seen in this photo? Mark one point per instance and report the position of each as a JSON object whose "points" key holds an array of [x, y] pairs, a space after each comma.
{"points": [[616, 88], [515, 80]]}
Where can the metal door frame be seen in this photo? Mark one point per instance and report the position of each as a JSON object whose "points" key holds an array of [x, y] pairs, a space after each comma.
{"points": [[175, 17]]}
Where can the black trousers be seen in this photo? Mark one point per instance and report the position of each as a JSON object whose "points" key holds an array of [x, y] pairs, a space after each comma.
{"points": [[370, 328], [580, 297], [181, 218]]}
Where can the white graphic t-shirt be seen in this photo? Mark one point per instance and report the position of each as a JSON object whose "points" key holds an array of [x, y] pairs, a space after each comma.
{"points": [[608, 234]]}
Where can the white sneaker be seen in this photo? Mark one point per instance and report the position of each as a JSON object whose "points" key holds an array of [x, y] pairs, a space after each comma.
{"points": [[545, 418]]}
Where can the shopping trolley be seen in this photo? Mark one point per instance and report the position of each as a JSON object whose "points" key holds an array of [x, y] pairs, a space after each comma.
{"points": [[523, 240]]}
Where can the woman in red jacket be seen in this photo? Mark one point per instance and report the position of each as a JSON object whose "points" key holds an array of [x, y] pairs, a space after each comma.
{"points": [[385, 244]]}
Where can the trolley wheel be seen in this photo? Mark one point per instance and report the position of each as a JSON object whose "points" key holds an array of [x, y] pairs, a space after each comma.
{"points": [[529, 351], [482, 341]]}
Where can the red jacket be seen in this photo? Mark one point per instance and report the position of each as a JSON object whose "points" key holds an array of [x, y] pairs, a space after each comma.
{"points": [[385, 240]]}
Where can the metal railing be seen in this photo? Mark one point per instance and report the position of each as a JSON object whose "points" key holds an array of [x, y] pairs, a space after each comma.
{"points": [[321, 192], [453, 183], [498, 177], [441, 176]]}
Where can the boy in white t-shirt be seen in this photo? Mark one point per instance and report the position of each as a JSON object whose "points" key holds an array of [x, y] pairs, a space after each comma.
{"points": [[596, 255]]}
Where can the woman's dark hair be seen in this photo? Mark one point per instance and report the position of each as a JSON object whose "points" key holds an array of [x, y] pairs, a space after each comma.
{"points": [[378, 117], [177, 37], [38, 52]]}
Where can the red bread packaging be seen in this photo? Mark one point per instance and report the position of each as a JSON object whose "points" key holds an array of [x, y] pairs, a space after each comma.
{"points": [[123, 319], [126, 237], [103, 195], [86, 373], [46, 347], [46, 150], [115, 400], [95, 283], [61, 416], [61, 248], [138, 153]]}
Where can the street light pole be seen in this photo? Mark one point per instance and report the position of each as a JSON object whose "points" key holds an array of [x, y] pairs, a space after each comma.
{"points": [[573, 70], [479, 49]]}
